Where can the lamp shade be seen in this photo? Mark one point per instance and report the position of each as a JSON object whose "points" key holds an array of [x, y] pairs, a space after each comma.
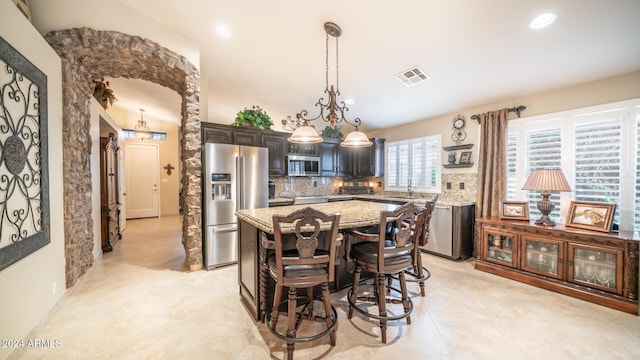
{"points": [[305, 134], [546, 180], [356, 139]]}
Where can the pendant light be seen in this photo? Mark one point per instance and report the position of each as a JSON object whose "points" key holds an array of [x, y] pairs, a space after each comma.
{"points": [[142, 129], [330, 111]]}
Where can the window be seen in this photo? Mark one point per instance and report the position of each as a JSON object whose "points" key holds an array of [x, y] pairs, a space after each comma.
{"points": [[593, 146], [155, 135], [415, 162]]}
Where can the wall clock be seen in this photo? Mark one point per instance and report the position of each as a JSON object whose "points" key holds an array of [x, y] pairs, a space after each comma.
{"points": [[458, 134]]}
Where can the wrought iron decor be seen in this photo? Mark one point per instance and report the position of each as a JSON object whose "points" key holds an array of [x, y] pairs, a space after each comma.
{"points": [[24, 175]]}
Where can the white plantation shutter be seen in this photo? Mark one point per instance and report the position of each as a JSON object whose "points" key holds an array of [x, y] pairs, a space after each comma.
{"points": [[391, 173], [404, 164], [543, 152], [597, 148], [512, 146], [597, 161], [415, 159]]}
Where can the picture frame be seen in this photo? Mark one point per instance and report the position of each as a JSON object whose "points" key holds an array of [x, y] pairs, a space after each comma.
{"points": [[514, 210], [597, 216], [25, 150], [465, 157]]}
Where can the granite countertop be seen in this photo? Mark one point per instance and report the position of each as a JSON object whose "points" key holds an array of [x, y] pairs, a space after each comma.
{"points": [[353, 214], [419, 200]]}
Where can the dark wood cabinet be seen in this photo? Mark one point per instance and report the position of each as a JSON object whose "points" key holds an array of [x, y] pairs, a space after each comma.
{"points": [[277, 144], [598, 267], [330, 159], [363, 162], [109, 190], [246, 137], [334, 159], [216, 133]]}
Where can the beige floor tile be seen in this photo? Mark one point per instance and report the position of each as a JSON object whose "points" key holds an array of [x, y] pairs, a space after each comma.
{"points": [[140, 302]]}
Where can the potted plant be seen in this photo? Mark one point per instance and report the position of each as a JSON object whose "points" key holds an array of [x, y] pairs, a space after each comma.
{"points": [[101, 91], [330, 132], [255, 117]]}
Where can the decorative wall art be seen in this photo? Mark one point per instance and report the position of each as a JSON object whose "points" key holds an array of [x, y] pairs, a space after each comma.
{"points": [[24, 175]]}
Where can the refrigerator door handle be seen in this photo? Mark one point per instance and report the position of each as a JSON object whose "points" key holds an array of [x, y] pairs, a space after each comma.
{"points": [[229, 228], [239, 183]]}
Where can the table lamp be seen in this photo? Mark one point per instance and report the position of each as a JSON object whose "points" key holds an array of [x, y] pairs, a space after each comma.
{"points": [[546, 180]]}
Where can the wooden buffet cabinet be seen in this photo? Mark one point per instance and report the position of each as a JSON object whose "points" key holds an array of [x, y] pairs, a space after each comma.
{"points": [[598, 267]]}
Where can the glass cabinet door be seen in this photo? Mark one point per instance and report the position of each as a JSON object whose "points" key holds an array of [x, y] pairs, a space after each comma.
{"points": [[596, 267], [543, 256], [500, 247]]}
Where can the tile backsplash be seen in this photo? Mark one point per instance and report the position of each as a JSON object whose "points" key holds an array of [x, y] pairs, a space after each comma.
{"points": [[463, 187]]}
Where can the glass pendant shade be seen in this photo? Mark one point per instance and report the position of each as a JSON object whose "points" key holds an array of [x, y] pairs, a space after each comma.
{"points": [[356, 139], [305, 134]]}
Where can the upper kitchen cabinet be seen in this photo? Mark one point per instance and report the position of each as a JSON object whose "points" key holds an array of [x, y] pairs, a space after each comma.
{"points": [[357, 162], [277, 145], [330, 157], [362, 162], [216, 133], [246, 137]]}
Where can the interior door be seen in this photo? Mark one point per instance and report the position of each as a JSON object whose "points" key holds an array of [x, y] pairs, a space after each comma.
{"points": [[143, 193]]}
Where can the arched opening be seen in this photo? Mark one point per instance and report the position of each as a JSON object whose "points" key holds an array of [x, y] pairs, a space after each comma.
{"points": [[87, 54]]}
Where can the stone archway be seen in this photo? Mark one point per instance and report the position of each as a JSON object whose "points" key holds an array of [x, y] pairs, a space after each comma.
{"points": [[87, 54]]}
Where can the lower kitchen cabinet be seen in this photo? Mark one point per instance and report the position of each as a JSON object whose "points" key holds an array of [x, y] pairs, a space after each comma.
{"points": [[598, 267]]}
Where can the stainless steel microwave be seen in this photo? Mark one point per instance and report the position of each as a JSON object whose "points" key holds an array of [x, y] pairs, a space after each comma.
{"points": [[300, 165]]}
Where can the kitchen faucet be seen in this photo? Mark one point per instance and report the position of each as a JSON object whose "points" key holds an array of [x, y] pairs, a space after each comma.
{"points": [[409, 188]]}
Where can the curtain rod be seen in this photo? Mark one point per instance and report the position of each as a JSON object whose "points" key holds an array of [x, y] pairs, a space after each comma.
{"points": [[517, 110]]}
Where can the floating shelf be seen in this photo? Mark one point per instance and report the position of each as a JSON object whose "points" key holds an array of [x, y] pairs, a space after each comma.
{"points": [[457, 147], [450, 166]]}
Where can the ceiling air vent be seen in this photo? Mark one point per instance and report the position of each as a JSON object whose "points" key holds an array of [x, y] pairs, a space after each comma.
{"points": [[412, 76]]}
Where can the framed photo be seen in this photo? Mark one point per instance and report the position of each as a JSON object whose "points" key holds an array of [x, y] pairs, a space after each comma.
{"points": [[465, 157], [591, 215], [514, 210]]}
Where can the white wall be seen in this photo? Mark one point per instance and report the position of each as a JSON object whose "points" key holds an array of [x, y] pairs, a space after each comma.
{"points": [[618, 88], [27, 286]]}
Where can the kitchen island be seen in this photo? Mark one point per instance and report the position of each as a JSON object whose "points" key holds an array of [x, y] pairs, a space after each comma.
{"points": [[254, 224]]}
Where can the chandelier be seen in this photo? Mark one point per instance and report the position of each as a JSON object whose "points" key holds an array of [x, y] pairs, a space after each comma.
{"points": [[330, 111], [141, 130]]}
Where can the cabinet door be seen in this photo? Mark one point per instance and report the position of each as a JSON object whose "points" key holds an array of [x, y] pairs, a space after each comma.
{"points": [[329, 152], [246, 137], [276, 146], [500, 247], [543, 256], [595, 267], [215, 135]]}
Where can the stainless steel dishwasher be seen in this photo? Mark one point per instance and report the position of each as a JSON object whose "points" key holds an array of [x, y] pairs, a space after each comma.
{"points": [[451, 231]]}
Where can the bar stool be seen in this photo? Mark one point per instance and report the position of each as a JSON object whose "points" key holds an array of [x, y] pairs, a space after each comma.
{"points": [[417, 272], [384, 256], [307, 262]]}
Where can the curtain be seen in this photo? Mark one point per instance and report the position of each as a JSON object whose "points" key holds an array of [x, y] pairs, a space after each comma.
{"points": [[492, 164]]}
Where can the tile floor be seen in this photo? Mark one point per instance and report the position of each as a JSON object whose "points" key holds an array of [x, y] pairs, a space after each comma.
{"points": [[138, 302]]}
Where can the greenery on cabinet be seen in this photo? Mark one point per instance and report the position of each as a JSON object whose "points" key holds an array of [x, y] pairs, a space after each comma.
{"points": [[256, 117], [330, 132]]}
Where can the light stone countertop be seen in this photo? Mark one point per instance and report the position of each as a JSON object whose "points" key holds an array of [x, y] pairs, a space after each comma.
{"points": [[353, 214]]}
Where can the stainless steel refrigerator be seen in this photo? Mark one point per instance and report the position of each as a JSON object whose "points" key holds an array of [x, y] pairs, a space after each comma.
{"points": [[234, 178]]}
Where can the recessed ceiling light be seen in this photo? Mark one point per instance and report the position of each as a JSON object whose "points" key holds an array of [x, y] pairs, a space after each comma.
{"points": [[349, 101], [223, 30], [543, 20]]}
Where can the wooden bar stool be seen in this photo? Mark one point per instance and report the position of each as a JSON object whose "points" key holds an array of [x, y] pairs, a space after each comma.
{"points": [[418, 272], [384, 256], [309, 263]]}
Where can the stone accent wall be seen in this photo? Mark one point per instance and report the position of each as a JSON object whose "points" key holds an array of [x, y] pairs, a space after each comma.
{"points": [[87, 54]]}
